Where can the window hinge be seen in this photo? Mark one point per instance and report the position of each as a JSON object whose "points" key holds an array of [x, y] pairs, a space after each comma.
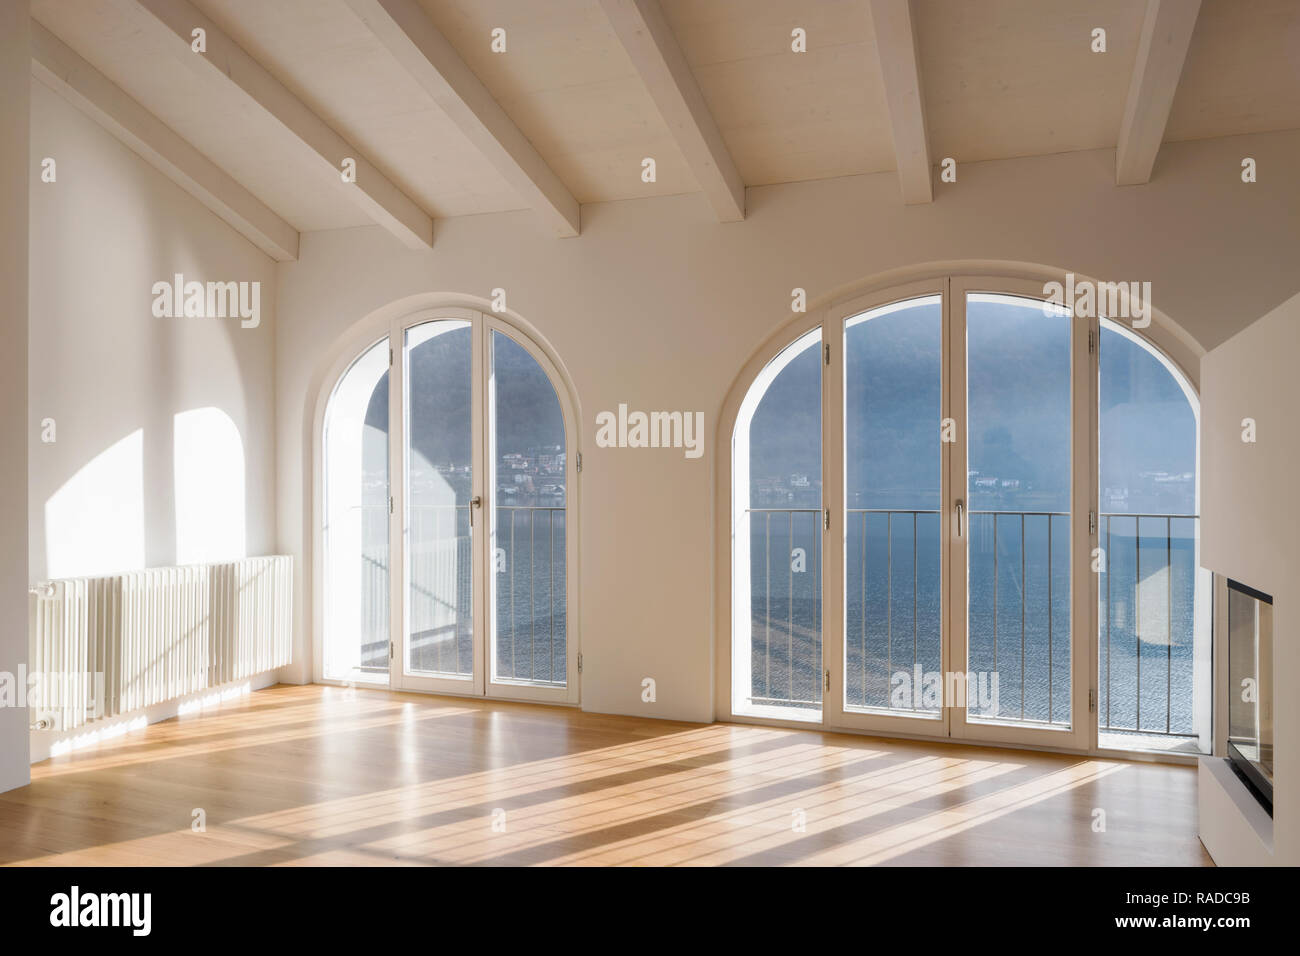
{"points": [[828, 680], [390, 356], [390, 650], [828, 354], [826, 519], [1092, 700], [390, 504], [579, 662], [1092, 342], [579, 461], [1092, 522]]}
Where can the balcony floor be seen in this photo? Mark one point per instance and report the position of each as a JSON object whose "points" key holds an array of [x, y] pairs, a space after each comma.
{"points": [[322, 775]]}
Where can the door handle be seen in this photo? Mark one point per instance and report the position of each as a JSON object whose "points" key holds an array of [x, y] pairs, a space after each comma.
{"points": [[961, 518], [475, 502]]}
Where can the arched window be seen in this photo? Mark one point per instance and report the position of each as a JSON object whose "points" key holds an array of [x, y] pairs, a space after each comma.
{"points": [[355, 532], [777, 547], [959, 509], [1154, 649], [447, 552]]}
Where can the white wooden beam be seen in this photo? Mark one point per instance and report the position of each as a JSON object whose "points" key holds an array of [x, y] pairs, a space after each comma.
{"points": [[62, 70], [1166, 35], [644, 32], [900, 70], [421, 49], [373, 191]]}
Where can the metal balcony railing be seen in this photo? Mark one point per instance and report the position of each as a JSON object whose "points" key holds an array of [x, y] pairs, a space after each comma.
{"points": [[1025, 640], [1147, 617], [1026, 679], [786, 654], [546, 631], [872, 665], [528, 588]]}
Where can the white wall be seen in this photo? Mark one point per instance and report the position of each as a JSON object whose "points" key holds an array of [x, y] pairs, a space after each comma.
{"points": [[1251, 527], [152, 415], [14, 171], [659, 306], [164, 428]]}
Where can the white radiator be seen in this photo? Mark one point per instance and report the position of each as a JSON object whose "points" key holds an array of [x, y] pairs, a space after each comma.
{"points": [[101, 647]]}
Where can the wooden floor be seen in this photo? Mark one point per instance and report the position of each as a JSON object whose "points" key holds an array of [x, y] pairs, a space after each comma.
{"points": [[323, 775]]}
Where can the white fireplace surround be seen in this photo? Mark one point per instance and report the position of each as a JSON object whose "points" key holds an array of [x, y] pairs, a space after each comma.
{"points": [[1250, 532]]}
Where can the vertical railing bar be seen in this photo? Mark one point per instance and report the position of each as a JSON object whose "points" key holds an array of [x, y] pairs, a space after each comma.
{"points": [[532, 595], [413, 598], [550, 643], [789, 607], [889, 597], [1051, 613], [995, 593], [1108, 616], [1137, 618], [864, 609], [514, 560], [1169, 619], [916, 691], [1024, 587], [432, 600], [817, 593], [469, 544], [767, 617]]}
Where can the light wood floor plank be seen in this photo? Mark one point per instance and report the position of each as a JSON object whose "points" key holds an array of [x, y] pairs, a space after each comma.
{"points": [[322, 776]]}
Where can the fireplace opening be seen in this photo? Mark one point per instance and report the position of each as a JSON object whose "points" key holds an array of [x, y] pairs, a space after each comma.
{"points": [[1250, 689]]}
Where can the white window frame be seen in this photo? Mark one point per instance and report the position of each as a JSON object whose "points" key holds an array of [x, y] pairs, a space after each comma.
{"points": [[1173, 347], [392, 324]]}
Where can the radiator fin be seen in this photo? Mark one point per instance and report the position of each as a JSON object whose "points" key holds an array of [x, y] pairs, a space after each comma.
{"points": [[102, 647]]}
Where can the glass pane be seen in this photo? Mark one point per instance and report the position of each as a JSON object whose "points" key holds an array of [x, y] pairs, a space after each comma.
{"points": [[1018, 496], [1154, 641], [530, 613], [1250, 681], [439, 483], [893, 461], [356, 598], [776, 591]]}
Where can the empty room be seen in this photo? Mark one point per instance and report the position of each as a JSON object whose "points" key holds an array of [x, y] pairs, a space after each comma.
{"points": [[649, 433]]}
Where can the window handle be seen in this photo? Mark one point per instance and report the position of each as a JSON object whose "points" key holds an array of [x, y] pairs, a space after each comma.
{"points": [[961, 518], [475, 502]]}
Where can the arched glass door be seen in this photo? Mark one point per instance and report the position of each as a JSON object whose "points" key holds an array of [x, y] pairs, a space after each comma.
{"points": [[975, 512], [528, 574], [893, 515], [777, 521], [439, 414], [475, 518], [1022, 387], [1153, 649], [356, 622]]}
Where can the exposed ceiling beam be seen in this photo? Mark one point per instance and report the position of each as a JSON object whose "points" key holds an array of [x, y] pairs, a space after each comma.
{"points": [[373, 191], [60, 68], [900, 69], [1166, 35], [421, 49], [644, 32]]}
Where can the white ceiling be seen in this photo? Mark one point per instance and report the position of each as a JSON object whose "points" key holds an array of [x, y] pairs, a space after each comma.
{"points": [[789, 117], [1242, 73], [570, 88], [1008, 78], [1000, 78]]}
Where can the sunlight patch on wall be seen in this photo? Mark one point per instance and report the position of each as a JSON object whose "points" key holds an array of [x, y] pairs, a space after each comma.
{"points": [[94, 524]]}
